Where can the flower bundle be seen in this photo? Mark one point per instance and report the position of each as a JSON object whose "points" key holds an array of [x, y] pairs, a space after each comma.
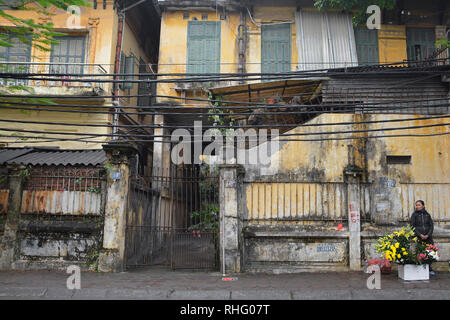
{"points": [[427, 253], [403, 247]]}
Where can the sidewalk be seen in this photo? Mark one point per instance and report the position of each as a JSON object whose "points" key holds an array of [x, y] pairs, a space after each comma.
{"points": [[162, 284]]}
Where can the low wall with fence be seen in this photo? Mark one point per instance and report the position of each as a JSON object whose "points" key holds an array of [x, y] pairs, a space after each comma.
{"points": [[60, 216], [293, 226]]}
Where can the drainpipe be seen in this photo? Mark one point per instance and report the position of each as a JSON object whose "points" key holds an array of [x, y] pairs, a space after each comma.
{"points": [[446, 38], [116, 101], [118, 57], [241, 30]]}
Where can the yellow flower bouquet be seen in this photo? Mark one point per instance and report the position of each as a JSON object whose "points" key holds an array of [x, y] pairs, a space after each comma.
{"points": [[403, 247]]}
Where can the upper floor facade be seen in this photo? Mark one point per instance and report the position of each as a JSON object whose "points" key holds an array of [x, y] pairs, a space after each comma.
{"points": [[270, 37], [101, 40]]}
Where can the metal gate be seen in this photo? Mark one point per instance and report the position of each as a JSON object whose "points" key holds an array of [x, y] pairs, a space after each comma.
{"points": [[172, 219]]}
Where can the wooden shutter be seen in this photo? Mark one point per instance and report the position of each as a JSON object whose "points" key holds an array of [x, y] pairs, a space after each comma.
{"points": [[203, 47], [126, 67], [366, 45], [129, 69], [420, 43], [276, 48]]}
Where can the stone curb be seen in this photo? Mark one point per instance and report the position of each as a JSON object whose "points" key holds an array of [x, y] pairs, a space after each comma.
{"points": [[9, 293]]}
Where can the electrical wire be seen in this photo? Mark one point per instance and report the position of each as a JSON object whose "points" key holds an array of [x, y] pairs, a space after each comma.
{"points": [[170, 142], [201, 136], [164, 126], [359, 107]]}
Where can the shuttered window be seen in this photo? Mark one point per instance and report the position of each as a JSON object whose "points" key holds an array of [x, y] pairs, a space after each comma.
{"points": [[67, 57], [325, 40], [366, 45], [18, 52], [420, 43], [126, 67], [203, 47], [275, 48]]}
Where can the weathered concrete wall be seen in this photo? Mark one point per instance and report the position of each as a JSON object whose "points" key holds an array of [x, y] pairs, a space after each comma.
{"points": [[301, 205], [56, 245], [290, 247]]}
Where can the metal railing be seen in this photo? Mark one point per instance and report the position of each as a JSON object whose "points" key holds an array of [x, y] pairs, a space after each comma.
{"points": [[65, 71], [63, 191]]}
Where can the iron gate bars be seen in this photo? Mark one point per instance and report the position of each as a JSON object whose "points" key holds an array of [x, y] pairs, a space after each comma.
{"points": [[172, 219]]}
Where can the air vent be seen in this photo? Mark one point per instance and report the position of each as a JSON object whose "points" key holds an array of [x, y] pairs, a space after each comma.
{"points": [[398, 159]]}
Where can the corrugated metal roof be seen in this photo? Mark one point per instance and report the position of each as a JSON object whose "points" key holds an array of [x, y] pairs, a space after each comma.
{"points": [[11, 153], [57, 157]]}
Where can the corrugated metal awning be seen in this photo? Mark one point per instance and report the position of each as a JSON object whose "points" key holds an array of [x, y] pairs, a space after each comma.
{"points": [[12, 153], [255, 92], [282, 93], [53, 157]]}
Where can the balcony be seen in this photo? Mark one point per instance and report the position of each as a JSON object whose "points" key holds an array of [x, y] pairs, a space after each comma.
{"points": [[66, 78]]}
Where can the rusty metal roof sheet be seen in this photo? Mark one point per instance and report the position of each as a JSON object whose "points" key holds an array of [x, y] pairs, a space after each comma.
{"points": [[57, 157]]}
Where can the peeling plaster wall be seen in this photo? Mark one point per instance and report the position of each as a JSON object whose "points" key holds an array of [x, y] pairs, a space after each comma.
{"points": [[291, 215], [48, 245]]}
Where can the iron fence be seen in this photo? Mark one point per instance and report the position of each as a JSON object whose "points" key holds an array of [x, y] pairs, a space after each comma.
{"points": [[63, 191]]}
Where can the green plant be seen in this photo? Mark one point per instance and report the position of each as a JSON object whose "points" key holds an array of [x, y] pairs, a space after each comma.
{"points": [[25, 174], [108, 167], [443, 42], [93, 260], [217, 115], [94, 189], [358, 7], [43, 33], [207, 218]]}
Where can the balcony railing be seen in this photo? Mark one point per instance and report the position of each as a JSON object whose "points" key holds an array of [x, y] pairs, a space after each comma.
{"points": [[69, 73]]}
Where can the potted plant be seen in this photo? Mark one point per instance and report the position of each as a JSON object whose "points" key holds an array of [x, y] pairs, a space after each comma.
{"points": [[412, 256]]}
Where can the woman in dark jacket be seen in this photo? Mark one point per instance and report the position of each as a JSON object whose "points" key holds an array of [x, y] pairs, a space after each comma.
{"points": [[423, 225]]}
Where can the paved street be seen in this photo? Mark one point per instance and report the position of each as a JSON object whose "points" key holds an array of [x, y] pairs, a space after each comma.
{"points": [[163, 284]]}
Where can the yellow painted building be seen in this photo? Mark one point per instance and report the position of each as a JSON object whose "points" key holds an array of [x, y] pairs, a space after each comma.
{"points": [[308, 193], [88, 48]]}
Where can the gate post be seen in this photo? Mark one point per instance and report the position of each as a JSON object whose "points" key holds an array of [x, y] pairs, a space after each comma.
{"points": [[111, 257], [352, 175], [230, 214], [8, 243]]}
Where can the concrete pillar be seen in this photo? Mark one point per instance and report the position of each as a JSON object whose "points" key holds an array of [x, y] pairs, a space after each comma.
{"points": [[352, 175], [230, 214], [161, 149], [111, 258], [8, 244]]}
